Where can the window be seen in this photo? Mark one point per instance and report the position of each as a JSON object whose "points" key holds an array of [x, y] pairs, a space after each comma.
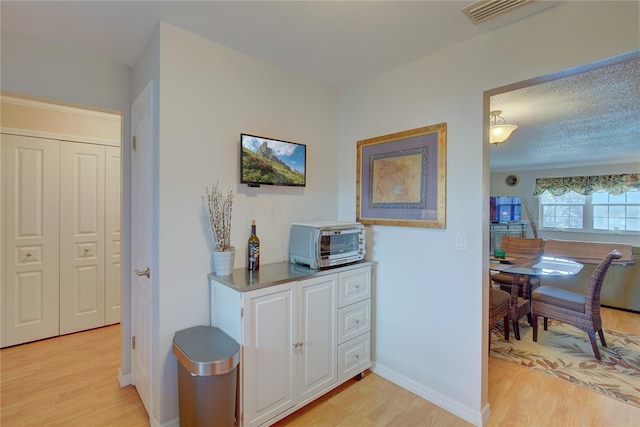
{"points": [[616, 212], [505, 208], [598, 212], [566, 211]]}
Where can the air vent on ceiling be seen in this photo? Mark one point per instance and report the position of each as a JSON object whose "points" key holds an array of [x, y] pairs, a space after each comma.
{"points": [[484, 10]]}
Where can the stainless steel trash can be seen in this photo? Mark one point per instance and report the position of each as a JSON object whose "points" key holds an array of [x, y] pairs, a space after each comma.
{"points": [[207, 374]]}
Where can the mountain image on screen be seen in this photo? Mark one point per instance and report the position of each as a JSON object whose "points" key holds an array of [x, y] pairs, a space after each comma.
{"points": [[262, 164]]}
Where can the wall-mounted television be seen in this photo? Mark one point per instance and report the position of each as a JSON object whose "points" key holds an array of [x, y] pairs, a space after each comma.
{"points": [[272, 162]]}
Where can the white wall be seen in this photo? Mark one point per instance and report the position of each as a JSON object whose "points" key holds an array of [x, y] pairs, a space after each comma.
{"points": [[430, 322], [209, 94], [526, 185]]}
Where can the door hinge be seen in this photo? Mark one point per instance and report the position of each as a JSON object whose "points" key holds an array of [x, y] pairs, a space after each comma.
{"points": [[241, 312], [133, 143], [133, 343]]}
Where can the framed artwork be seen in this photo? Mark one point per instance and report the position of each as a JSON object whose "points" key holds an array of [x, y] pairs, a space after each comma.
{"points": [[401, 178]]}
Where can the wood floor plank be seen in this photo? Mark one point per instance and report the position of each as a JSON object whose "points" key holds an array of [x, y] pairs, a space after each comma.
{"points": [[72, 381]]}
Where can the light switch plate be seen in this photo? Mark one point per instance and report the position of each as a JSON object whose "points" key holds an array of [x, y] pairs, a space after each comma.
{"points": [[461, 242]]}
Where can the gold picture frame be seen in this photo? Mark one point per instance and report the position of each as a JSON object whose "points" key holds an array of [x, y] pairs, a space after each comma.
{"points": [[401, 178]]}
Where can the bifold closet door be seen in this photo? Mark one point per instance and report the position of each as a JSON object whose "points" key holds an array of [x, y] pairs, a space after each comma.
{"points": [[30, 289], [82, 236], [113, 270]]}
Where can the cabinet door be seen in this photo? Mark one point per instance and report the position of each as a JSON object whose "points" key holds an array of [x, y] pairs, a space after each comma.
{"points": [[113, 271], [268, 372], [317, 308], [31, 197], [81, 236]]}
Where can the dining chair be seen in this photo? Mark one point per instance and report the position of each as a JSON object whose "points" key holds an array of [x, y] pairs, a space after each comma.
{"points": [[525, 251], [499, 308], [519, 307], [576, 309]]}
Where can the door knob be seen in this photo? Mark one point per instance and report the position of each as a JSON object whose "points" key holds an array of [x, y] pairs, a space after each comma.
{"points": [[147, 273]]}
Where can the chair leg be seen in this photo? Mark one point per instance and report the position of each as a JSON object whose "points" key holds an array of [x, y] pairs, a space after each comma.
{"points": [[505, 322], [530, 319], [546, 324], [601, 333], [535, 328], [516, 329], [594, 345]]}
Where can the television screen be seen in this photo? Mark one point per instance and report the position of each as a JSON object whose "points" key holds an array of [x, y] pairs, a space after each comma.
{"points": [[272, 162]]}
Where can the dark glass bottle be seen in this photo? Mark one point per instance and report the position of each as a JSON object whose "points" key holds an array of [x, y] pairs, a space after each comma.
{"points": [[253, 249]]}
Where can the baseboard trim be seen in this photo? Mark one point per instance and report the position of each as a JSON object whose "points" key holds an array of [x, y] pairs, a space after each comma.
{"points": [[456, 408], [172, 423], [486, 414], [124, 379]]}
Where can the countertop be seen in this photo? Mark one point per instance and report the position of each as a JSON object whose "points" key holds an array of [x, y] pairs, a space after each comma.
{"points": [[243, 280]]}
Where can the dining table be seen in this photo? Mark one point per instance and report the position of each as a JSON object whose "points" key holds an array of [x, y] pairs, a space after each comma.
{"points": [[540, 267]]}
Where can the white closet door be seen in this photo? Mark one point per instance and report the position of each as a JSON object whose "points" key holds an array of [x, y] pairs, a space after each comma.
{"points": [[31, 286], [82, 240], [113, 275]]}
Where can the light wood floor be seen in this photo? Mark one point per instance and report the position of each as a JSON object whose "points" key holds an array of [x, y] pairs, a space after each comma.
{"points": [[72, 381]]}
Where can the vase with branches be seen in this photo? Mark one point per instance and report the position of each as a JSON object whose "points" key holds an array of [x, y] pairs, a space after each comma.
{"points": [[220, 205]]}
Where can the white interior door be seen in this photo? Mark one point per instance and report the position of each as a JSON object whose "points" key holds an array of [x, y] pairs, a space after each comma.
{"points": [[31, 282], [113, 227], [82, 184], [141, 289]]}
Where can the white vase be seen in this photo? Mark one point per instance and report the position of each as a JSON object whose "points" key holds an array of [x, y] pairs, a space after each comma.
{"points": [[223, 262]]}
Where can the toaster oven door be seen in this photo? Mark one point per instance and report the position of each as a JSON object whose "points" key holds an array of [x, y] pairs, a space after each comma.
{"points": [[336, 244]]}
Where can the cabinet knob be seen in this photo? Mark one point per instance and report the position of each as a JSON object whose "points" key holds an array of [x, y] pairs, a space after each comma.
{"points": [[29, 254], [357, 356], [357, 321], [358, 286]]}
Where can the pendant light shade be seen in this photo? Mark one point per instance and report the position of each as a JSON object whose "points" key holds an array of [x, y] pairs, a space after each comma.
{"points": [[499, 130]]}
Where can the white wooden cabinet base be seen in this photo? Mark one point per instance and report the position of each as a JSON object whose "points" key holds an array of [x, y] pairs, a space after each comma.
{"points": [[302, 332]]}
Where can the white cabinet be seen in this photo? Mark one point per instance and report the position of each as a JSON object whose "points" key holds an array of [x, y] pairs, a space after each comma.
{"points": [[267, 364], [292, 339], [316, 351], [55, 222], [354, 323]]}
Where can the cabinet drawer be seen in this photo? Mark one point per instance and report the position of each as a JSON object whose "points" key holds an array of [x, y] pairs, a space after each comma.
{"points": [[355, 286], [354, 320], [354, 356]]}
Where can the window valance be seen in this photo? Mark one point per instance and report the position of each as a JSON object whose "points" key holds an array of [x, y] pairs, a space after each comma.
{"points": [[612, 184]]}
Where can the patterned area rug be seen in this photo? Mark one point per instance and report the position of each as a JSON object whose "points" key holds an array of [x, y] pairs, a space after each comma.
{"points": [[565, 352]]}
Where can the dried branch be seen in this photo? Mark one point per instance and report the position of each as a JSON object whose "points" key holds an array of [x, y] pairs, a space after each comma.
{"points": [[220, 206]]}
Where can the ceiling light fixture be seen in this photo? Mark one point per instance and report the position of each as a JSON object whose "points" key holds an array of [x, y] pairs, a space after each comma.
{"points": [[500, 130]]}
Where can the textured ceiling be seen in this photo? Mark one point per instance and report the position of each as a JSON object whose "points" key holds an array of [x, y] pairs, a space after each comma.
{"points": [[583, 119]]}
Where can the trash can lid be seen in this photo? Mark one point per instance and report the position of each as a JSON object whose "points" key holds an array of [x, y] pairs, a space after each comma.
{"points": [[206, 350]]}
